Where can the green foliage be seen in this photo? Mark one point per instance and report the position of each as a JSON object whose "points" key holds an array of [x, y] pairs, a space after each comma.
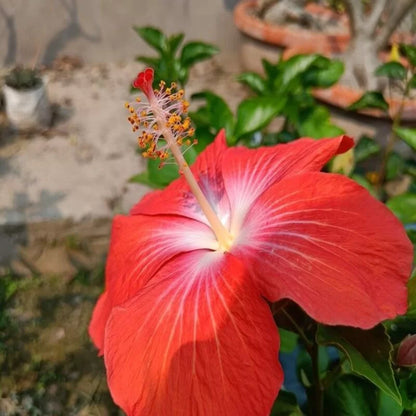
{"points": [[172, 65], [215, 114], [157, 177], [365, 360], [394, 70], [286, 405], [409, 51], [365, 148], [23, 78], [404, 207], [253, 114], [350, 396], [407, 135], [288, 340], [291, 81], [370, 99]]}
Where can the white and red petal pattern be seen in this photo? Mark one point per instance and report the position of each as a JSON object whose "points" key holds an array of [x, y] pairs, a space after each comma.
{"points": [[324, 242], [198, 340], [140, 245], [249, 172]]}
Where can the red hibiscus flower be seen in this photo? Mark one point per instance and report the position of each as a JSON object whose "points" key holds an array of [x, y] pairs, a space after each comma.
{"points": [[184, 324]]}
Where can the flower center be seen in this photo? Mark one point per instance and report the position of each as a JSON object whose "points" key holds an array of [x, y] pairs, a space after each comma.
{"points": [[164, 128]]}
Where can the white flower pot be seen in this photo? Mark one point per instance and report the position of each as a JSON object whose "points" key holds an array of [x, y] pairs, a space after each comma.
{"points": [[28, 109]]}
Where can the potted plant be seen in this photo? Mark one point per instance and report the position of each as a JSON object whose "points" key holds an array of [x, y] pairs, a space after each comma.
{"points": [[359, 37], [270, 25], [26, 99]]}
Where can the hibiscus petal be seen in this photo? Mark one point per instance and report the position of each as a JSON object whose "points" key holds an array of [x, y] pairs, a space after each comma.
{"points": [[324, 242], [140, 245], [178, 199], [249, 172], [199, 341]]}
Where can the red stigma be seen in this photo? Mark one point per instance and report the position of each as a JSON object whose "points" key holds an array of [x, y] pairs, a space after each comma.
{"points": [[144, 81]]}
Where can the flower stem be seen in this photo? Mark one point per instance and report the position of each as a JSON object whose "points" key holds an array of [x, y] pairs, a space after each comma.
{"points": [[318, 388], [223, 236]]}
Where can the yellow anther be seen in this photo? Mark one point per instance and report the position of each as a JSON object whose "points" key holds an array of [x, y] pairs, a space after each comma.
{"points": [[138, 99], [173, 85], [186, 124], [143, 113], [185, 106], [127, 105]]}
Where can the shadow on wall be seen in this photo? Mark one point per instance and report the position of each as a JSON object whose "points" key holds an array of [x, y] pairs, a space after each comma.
{"points": [[72, 31], [11, 37], [230, 4]]}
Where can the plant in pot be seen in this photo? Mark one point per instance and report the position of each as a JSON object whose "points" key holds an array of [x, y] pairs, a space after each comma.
{"points": [[26, 99], [372, 26]]}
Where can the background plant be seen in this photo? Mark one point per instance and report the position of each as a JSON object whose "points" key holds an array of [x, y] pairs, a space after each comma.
{"points": [[22, 78], [172, 63]]}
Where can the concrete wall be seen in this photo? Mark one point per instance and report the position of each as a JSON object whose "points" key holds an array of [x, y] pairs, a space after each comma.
{"points": [[101, 30]]}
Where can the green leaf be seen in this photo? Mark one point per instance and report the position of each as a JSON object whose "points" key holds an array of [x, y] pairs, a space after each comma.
{"points": [[216, 111], [369, 353], [143, 178], [350, 396], [197, 51], [174, 41], [324, 73], [152, 36], [408, 390], [407, 135], [253, 114], [161, 176], [411, 285], [393, 69], [271, 70], [254, 81], [286, 405], [410, 53], [293, 67], [365, 148], [288, 340], [395, 166], [370, 99], [387, 406], [412, 82], [404, 207], [315, 122]]}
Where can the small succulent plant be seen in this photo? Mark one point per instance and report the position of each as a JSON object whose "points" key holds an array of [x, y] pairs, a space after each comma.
{"points": [[23, 78]]}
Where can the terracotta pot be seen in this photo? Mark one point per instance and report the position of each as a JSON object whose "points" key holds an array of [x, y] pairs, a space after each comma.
{"points": [[342, 97], [287, 36]]}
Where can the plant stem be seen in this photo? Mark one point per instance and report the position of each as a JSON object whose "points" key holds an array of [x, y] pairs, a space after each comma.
{"points": [[318, 388], [299, 330], [392, 137]]}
